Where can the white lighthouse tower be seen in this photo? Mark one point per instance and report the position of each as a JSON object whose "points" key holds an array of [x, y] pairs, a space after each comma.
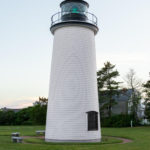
{"points": [[73, 108]]}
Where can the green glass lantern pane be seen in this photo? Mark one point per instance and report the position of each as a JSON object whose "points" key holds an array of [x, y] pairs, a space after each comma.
{"points": [[75, 10]]}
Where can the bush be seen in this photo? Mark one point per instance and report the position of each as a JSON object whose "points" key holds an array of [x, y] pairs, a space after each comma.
{"points": [[7, 118], [119, 121]]}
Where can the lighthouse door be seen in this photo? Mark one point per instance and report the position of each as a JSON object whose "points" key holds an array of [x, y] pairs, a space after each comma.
{"points": [[92, 120]]}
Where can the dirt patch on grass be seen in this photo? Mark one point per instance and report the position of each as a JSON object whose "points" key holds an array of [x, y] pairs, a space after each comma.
{"points": [[124, 140]]}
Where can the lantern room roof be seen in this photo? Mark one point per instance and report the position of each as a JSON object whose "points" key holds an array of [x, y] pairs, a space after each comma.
{"points": [[79, 1]]}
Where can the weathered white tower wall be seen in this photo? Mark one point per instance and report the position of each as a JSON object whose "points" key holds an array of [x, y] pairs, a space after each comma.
{"points": [[73, 86]]}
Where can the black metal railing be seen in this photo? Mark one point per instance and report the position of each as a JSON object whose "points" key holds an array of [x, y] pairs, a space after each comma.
{"points": [[86, 17]]}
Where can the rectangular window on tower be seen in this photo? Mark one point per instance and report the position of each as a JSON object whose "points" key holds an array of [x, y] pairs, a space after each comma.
{"points": [[92, 121]]}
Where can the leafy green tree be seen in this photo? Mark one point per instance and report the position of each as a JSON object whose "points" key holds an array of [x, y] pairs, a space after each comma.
{"points": [[7, 117], [23, 117], [39, 111], [107, 87], [42, 101], [147, 99]]}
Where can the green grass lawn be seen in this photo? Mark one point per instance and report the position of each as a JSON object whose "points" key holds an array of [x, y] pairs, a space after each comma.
{"points": [[139, 135]]}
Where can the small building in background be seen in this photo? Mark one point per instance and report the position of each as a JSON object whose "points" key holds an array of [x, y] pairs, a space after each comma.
{"points": [[10, 109], [123, 104]]}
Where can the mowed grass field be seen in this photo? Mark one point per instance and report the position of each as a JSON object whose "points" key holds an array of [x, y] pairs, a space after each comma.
{"points": [[140, 137]]}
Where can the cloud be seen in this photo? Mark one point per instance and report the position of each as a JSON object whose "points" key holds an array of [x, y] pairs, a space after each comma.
{"points": [[21, 102]]}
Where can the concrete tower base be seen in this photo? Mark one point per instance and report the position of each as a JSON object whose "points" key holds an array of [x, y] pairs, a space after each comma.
{"points": [[74, 141]]}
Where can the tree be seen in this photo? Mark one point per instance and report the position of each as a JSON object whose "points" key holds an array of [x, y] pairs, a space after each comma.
{"points": [[107, 87], [147, 99], [39, 111], [134, 84], [42, 101], [132, 80], [7, 117], [23, 117]]}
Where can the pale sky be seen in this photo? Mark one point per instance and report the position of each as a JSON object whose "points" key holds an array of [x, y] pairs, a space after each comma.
{"points": [[26, 44]]}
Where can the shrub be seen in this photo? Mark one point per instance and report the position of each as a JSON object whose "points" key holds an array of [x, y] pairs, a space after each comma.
{"points": [[119, 121]]}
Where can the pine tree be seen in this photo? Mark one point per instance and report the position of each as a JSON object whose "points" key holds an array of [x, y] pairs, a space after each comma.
{"points": [[107, 87]]}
